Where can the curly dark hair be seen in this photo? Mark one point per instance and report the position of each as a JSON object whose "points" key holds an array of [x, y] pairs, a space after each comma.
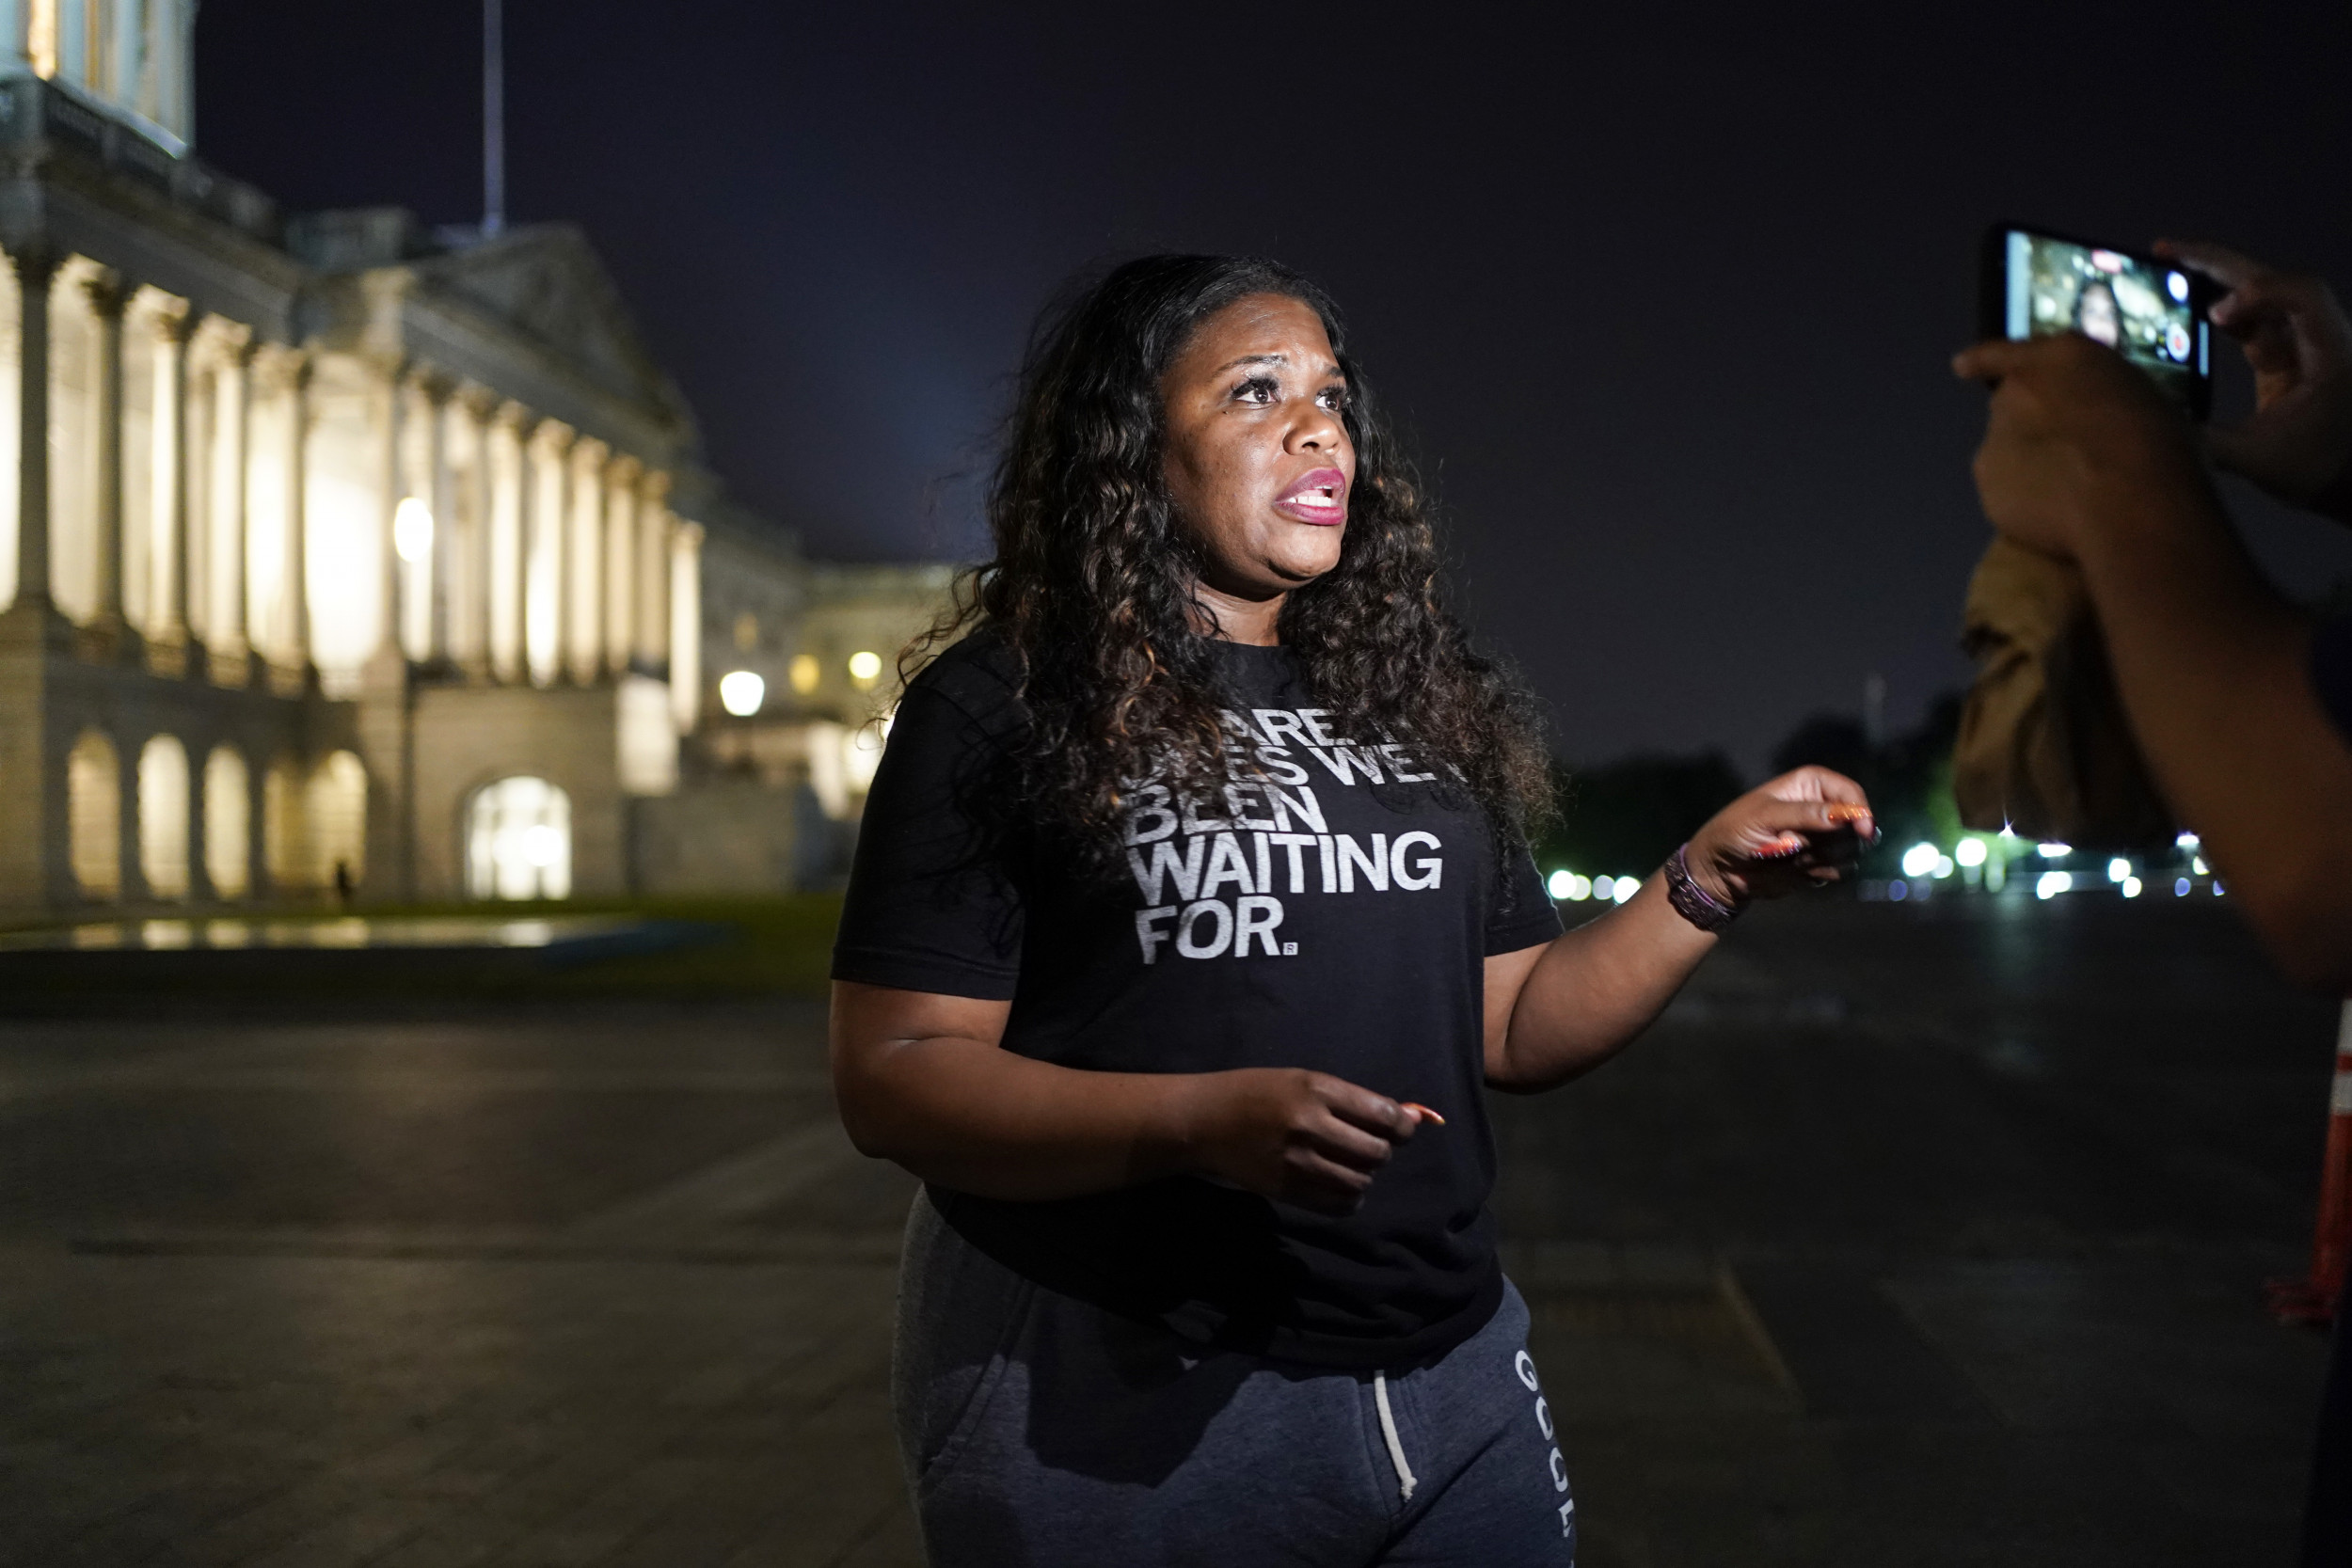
{"points": [[1094, 586]]}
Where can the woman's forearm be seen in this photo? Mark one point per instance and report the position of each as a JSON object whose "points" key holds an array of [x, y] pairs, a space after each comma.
{"points": [[971, 1115], [1593, 989]]}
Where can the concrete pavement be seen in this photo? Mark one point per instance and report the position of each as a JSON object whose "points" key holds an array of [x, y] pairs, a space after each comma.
{"points": [[1922, 1235]]}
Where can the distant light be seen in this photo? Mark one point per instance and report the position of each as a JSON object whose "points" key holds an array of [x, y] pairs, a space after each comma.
{"points": [[2119, 870], [2051, 884], [2131, 887], [412, 529], [805, 673], [2216, 889], [1919, 859], [1558, 883], [2007, 831], [865, 665], [2180, 888], [1580, 888], [1898, 889], [2177, 286], [1969, 851], [1604, 888], [2052, 851], [1942, 866], [2186, 841], [543, 843], [1627, 887], [2197, 864], [741, 693]]}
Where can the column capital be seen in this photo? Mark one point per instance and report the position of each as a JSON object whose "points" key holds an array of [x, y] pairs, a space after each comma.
{"points": [[282, 367], [102, 287], [624, 470], [35, 265], [435, 386], [554, 436], [217, 340], [168, 316], [511, 416], [589, 453], [479, 402], [390, 368], [654, 487]]}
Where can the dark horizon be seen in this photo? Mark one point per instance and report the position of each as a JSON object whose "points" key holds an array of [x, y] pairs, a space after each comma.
{"points": [[1664, 305]]}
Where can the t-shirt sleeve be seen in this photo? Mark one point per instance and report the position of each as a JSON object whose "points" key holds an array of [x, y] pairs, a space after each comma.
{"points": [[930, 905], [1521, 914], [2332, 669]]}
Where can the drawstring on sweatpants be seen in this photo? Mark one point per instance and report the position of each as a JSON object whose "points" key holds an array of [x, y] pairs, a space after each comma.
{"points": [[1404, 1481]]}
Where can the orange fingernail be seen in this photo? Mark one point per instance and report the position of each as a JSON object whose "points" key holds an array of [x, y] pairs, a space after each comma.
{"points": [[1427, 1113], [1842, 812]]}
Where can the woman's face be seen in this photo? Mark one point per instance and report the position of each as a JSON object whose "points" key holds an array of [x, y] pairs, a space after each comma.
{"points": [[2097, 317], [1259, 462]]}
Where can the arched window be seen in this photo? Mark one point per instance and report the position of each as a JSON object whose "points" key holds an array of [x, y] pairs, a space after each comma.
{"points": [[518, 841], [93, 786], [227, 822], [337, 812], [163, 816]]}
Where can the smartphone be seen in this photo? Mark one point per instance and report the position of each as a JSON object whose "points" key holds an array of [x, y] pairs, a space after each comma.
{"points": [[2033, 283]]}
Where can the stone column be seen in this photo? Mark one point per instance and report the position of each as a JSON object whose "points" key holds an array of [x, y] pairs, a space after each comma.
{"points": [[267, 411], [130, 863], [685, 625], [508, 551], [429, 439], [291, 384], [34, 271], [585, 559], [228, 347], [544, 630], [466, 474], [200, 889], [620, 562], [106, 300], [167, 574], [653, 570], [389, 396]]}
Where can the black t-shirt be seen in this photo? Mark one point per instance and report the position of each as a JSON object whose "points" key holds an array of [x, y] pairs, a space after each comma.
{"points": [[1333, 910]]}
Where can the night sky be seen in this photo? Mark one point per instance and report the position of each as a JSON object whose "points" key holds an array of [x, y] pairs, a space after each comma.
{"points": [[1662, 298]]}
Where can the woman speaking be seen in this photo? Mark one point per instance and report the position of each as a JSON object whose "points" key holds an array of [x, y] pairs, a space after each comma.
{"points": [[1192, 915]]}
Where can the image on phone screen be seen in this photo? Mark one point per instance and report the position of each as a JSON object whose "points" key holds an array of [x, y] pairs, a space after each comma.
{"points": [[2143, 308]]}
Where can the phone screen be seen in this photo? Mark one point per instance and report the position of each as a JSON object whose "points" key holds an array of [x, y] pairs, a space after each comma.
{"points": [[2149, 312]]}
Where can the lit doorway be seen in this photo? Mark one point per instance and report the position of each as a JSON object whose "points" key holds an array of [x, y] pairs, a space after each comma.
{"points": [[518, 841]]}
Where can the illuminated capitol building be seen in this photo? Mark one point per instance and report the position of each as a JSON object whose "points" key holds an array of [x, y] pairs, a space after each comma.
{"points": [[343, 555]]}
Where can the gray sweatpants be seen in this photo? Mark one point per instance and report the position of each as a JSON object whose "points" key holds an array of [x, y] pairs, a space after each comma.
{"points": [[1041, 1432]]}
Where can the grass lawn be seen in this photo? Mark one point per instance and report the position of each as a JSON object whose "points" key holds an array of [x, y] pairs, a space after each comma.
{"points": [[739, 947]]}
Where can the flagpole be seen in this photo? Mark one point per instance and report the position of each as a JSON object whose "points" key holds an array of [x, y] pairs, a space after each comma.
{"points": [[493, 119]]}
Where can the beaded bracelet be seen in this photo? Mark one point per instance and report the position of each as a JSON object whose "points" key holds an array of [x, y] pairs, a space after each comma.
{"points": [[1692, 902]]}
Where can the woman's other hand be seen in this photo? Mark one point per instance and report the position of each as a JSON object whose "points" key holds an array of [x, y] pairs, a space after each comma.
{"points": [[1304, 1137], [1800, 830], [2298, 443]]}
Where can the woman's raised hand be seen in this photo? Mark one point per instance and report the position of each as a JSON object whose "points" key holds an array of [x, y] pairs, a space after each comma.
{"points": [[1304, 1137], [1800, 830]]}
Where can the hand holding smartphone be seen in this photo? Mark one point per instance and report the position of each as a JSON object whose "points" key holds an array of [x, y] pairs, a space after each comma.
{"points": [[2033, 283]]}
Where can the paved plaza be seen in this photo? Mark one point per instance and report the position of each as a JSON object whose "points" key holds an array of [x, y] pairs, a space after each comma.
{"points": [[1912, 1235]]}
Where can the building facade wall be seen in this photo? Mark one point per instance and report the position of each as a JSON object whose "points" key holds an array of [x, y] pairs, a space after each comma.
{"points": [[470, 736], [358, 519]]}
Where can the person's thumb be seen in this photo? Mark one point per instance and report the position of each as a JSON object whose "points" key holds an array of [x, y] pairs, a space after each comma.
{"points": [[1988, 361]]}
